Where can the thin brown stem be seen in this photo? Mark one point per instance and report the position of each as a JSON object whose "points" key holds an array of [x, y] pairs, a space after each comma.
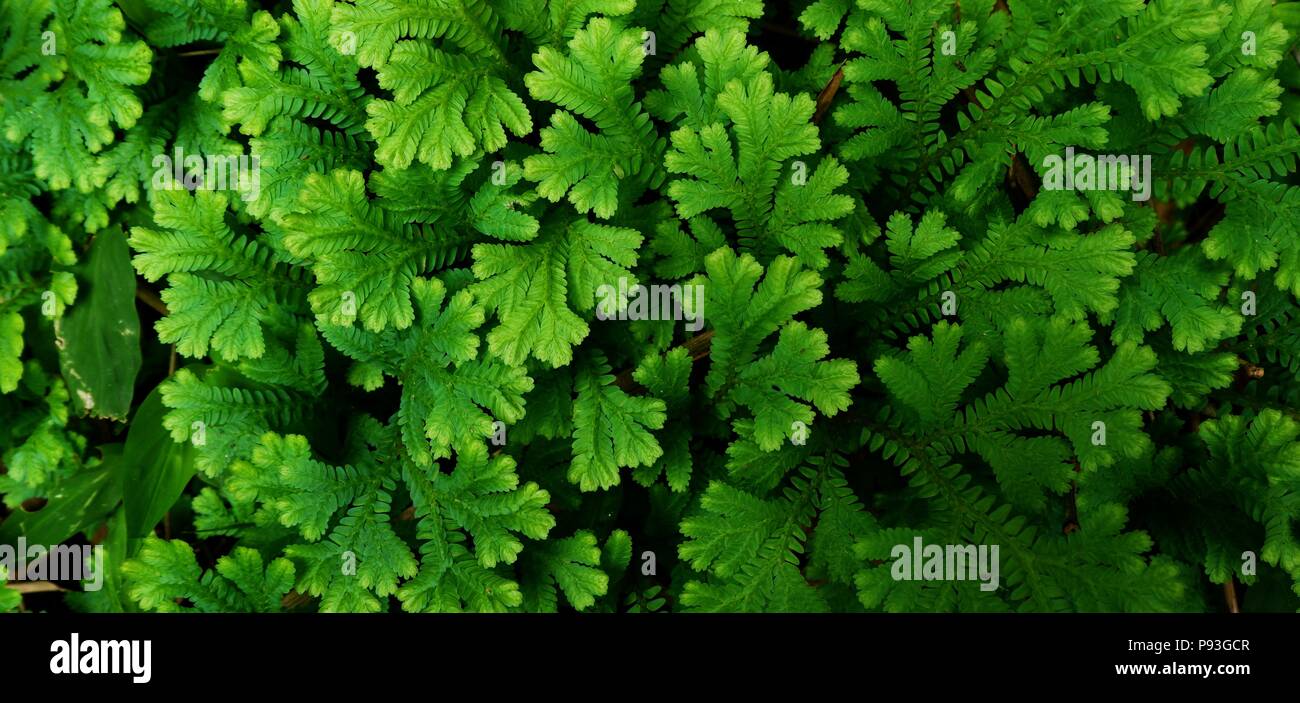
{"points": [[825, 97], [294, 599], [1230, 595], [151, 299], [1021, 175], [36, 587]]}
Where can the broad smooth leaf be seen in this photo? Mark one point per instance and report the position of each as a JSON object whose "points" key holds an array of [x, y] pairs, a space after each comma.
{"points": [[156, 468], [77, 504], [111, 597], [99, 336]]}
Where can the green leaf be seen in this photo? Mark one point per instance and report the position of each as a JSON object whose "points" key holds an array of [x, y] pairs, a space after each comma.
{"points": [[796, 369], [9, 598], [536, 287], [99, 336], [156, 469], [112, 596], [610, 429], [76, 504], [445, 106], [593, 80], [11, 350], [1182, 289], [222, 284], [166, 572], [573, 565]]}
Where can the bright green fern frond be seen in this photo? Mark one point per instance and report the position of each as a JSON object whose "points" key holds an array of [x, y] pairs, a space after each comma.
{"points": [[365, 259], [165, 572], [594, 80], [610, 429], [224, 288], [537, 289], [95, 72]]}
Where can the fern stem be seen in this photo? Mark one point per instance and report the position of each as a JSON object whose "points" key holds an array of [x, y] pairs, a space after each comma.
{"points": [[151, 299], [1230, 595]]}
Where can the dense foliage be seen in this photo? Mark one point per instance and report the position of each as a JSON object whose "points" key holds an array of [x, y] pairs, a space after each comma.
{"points": [[401, 362]]}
